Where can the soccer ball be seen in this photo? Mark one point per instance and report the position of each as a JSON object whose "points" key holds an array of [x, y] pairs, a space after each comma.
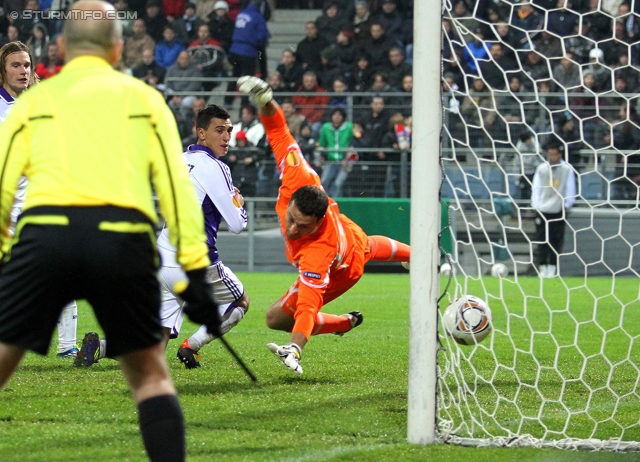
{"points": [[499, 270], [445, 269], [467, 320]]}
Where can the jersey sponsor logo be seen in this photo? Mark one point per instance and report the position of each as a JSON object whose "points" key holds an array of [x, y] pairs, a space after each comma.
{"points": [[292, 158], [309, 274]]}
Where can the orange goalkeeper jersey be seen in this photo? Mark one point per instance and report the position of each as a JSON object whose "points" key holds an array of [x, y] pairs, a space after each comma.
{"points": [[333, 256]]}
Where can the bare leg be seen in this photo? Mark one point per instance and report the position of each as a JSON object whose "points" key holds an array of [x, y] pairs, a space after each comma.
{"points": [[159, 411], [10, 357], [147, 373], [165, 339]]}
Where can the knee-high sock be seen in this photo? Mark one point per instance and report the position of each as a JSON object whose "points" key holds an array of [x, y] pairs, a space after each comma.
{"points": [[232, 316], [162, 428], [67, 327], [330, 323], [383, 248]]}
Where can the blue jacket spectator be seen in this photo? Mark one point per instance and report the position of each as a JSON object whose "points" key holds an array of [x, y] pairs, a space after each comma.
{"points": [[249, 37], [167, 50], [474, 51], [250, 32]]}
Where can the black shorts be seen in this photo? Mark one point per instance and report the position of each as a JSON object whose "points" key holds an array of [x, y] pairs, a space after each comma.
{"points": [[105, 255]]}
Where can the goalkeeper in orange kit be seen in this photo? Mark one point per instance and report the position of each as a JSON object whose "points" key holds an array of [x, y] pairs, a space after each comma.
{"points": [[328, 249]]}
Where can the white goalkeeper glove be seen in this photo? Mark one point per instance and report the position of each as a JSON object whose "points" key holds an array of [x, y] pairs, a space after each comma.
{"points": [[257, 88]]}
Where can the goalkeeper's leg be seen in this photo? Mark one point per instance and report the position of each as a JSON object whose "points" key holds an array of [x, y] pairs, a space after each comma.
{"points": [[382, 248], [280, 316]]}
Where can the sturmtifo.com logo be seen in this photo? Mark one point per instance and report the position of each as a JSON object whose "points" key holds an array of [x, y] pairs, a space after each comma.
{"points": [[73, 14]]}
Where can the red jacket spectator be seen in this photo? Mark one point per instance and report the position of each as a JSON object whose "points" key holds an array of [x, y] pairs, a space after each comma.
{"points": [[45, 72], [173, 8], [202, 43], [51, 64], [235, 7], [312, 102]]}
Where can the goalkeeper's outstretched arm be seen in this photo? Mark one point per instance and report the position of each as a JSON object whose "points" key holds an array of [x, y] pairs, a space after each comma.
{"points": [[261, 93], [269, 109]]}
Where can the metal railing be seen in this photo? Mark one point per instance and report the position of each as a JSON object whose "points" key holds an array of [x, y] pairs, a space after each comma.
{"points": [[392, 178]]}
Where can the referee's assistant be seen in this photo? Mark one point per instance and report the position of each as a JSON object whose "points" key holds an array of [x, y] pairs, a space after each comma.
{"points": [[91, 141]]}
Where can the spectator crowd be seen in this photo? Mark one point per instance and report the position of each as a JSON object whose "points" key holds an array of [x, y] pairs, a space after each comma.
{"points": [[555, 70], [184, 49], [563, 71]]}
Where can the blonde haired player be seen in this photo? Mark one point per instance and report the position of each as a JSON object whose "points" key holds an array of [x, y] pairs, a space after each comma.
{"points": [[16, 76], [328, 249]]}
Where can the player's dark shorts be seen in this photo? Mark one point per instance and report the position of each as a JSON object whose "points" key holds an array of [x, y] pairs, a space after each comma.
{"points": [[106, 255]]}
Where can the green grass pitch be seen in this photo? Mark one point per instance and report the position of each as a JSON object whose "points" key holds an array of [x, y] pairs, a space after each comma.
{"points": [[350, 404]]}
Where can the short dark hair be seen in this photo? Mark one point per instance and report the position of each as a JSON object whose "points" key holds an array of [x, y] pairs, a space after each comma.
{"points": [[342, 112], [554, 142], [251, 108], [525, 135], [311, 201], [212, 111]]}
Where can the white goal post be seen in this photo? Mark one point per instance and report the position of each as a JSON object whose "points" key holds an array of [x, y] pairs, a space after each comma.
{"points": [[425, 222], [561, 367]]}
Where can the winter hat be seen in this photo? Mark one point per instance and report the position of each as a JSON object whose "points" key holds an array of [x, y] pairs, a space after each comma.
{"points": [[596, 53], [221, 5], [329, 53], [241, 135]]}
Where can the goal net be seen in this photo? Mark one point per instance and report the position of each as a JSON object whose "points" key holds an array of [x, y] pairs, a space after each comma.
{"points": [[523, 85]]}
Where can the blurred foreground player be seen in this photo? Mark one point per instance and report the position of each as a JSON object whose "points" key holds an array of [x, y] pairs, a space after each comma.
{"points": [[328, 249], [16, 76], [89, 141]]}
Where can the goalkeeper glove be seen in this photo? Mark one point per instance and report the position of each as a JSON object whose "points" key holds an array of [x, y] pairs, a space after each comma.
{"points": [[200, 306], [257, 88]]}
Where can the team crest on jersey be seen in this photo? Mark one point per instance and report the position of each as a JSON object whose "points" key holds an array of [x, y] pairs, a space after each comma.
{"points": [[309, 274], [293, 156]]}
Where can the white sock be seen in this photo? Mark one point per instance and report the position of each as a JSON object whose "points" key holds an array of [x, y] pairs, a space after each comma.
{"points": [[202, 336], [103, 349], [232, 319], [67, 326]]}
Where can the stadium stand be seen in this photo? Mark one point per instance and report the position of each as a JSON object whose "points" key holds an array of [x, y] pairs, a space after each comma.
{"points": [[571, 75]]}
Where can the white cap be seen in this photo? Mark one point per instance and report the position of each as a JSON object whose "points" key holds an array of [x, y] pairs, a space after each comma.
{"points": [[221, 5], [596, 53]]}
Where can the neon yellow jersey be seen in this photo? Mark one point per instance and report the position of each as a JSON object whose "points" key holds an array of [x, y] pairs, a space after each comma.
{"points": [[93, 136]]}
